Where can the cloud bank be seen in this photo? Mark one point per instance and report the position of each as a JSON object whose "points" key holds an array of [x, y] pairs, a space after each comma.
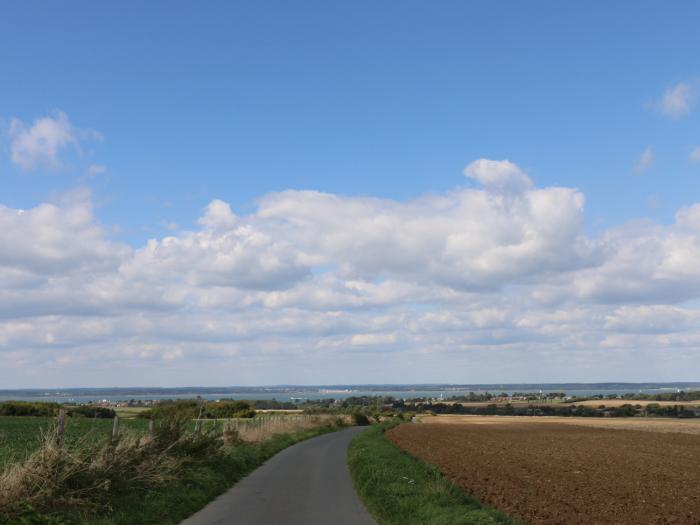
{"points": [[497, 282]]}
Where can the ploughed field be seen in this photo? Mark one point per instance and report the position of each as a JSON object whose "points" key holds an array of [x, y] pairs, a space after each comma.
{"points": [[548, 472]]}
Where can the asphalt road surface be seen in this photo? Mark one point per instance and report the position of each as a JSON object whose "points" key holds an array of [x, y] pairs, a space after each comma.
{"points": [[305, 484]]}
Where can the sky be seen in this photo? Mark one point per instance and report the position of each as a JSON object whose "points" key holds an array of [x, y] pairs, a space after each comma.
{"points": [[236, 193]]}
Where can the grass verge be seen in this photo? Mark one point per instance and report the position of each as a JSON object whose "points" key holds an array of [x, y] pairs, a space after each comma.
{"points": [[199, 479], [399, 489]]}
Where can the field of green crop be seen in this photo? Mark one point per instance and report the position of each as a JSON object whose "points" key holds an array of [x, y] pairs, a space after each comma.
{"points": [[19, 436]]}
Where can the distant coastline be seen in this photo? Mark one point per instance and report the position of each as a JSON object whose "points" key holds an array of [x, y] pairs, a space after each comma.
{"points": [[287, 392]]}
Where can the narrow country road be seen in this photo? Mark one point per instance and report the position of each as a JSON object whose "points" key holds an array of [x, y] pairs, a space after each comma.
{"points": [[305, 484]]}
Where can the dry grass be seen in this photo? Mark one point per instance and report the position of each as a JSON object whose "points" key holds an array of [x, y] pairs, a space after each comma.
{"points": [[279, 410], [262, 428], [84, 473], [647, 424]]}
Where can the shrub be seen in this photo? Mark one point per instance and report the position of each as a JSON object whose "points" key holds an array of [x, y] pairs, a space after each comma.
{"points": [[92, 411], [360, 419], [227, 409], [231, 435], [29, 408], [191, 409]]}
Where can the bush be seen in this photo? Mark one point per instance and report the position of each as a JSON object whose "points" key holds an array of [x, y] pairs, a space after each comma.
{"points": [[227, 409], [231, 435], [192, 409], [29, 408], [92, 411], [167, 431], [360, 419]]}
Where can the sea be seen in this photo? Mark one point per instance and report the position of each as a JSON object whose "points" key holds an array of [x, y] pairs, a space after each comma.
{"points": [[299, 393]]}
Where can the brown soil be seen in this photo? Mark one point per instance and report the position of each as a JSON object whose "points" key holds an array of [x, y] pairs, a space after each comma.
{"points": [[619, 402], [562, 474], [647, 424]]}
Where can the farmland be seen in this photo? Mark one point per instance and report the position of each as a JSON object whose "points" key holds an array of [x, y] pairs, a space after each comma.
{"points": [[585, 402], [641, 402], [21, 435], [86, 476], [646, 424], [547, 471]]}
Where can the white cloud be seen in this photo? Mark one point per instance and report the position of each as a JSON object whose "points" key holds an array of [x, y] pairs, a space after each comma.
{"points": [[39, 145], [242, 257], [48, 141], [677, 100], [689, 217], [645, 262], [471, 239], [645, 161], [372, 339], [498, 176], [55, 238], [652, 319], [454, 283], [218, 215]]}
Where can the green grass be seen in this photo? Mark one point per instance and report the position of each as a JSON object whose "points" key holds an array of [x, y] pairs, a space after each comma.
{"points": [[129, 412], [19, 436], [398, 489]]}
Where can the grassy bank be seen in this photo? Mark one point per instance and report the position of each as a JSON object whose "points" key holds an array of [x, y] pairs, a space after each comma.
{"points": [[199, 483], [139, 480], [401, 490], [20, 436]]}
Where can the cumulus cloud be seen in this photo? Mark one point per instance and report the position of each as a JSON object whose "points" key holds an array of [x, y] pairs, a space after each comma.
{"points": [[243, 257], [54, 238], [500, 176], [309, 277], [471, 239], [645, 262], [39, 144], [677, 101], [48, 143], [689, 217], [218, 215]]}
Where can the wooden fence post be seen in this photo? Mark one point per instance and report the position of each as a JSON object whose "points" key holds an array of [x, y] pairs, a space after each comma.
{"points": [[198, 424], [150, 427], [115, 429], [61, 427]]}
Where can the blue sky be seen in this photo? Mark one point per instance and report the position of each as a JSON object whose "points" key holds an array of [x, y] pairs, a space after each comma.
{"points": [[170, 107], [235, 100]]}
